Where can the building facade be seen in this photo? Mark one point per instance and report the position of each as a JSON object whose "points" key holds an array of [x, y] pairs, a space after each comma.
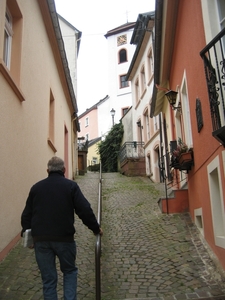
{"points": [[39, 110], [140, 74], [111, 109], [195, 75], [72, 39], [120, 53], [92, 129]]}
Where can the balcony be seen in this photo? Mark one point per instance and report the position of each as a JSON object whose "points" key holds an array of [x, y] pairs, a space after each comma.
{"points": [[132, 159], [214, 64]]}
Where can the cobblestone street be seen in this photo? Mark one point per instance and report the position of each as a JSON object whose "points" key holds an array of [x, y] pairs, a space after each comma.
{"points": [[145, 254]]}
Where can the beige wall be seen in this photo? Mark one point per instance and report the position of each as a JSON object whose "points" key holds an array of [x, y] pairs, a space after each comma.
{"points": [[24, 129], [92, 152]]}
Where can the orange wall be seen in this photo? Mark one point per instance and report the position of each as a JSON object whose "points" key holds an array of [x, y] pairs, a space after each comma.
{"points": [[190, 40]]}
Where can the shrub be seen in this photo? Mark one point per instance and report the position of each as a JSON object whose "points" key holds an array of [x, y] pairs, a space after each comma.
{"points": [[110, 147]]}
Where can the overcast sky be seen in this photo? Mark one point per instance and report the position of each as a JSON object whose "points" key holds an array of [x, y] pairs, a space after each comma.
{"points": [[94, 18]]}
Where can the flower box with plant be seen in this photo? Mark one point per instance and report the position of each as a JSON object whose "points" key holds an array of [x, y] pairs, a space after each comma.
{"points": [[182, 155]]}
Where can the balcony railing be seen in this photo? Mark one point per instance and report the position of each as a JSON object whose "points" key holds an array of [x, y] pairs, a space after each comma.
{"points": [[214, 63], [131, 150]]}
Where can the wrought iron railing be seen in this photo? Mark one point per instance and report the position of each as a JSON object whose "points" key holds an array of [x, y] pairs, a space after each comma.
{"points": [[214, 63], [131, 150]]}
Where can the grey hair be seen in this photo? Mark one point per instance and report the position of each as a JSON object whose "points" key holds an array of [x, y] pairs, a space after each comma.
{"points": [[56, 164]]}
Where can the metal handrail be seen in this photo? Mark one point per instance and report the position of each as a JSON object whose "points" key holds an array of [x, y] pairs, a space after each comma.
{"points": [[98, 240]]}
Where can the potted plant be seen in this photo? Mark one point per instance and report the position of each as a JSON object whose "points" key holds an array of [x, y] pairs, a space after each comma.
{"points": [[182, 154]]}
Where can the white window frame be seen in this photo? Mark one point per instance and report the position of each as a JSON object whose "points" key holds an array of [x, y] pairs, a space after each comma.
{"points": [[147, 126], [216, 200], [8, 34], [150, 64], [123, 82], [86, 121], [178, 118], [137, 90], [221, 14], [186, 112], [143, 79], [94, 160], [156, 123]]}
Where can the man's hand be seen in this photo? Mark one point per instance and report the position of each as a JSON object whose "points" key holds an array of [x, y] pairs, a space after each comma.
{"points": [[100, 232]]}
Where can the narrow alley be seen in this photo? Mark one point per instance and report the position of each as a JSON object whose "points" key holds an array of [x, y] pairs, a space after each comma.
{"points": [[145, 254]]}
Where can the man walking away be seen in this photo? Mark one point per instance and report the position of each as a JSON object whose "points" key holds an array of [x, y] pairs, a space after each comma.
{"points": [[49, 213]]}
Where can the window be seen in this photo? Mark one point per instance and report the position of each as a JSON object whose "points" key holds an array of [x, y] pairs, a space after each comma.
{"points": [[51, 133], [86, 122], [178, 121], [8, 33], [124, 110], [216, 199], [87, 136], [149, 166], [122, 56], [147, 126], [137, 90], [123, 82], [139, 130], [150, 65], [143, 80], [12, 46], [94, 160], [221, 11], [186, 113], [156, 123]]}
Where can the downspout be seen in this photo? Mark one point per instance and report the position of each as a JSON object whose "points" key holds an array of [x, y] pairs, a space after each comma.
{"points": [[157, 51], [73, 148], [161, 147]]}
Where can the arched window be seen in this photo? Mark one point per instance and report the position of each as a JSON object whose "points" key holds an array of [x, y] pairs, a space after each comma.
{"points": [[122, 56]]}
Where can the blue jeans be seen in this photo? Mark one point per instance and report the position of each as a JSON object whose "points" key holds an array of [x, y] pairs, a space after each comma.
{"points": [[46, 253]]}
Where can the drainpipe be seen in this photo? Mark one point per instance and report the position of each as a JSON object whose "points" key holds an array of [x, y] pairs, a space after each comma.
{"points": [[73, 148]]}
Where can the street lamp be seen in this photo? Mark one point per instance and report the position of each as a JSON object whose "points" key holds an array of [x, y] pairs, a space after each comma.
{"points": [[172, 98], [112, 112]]}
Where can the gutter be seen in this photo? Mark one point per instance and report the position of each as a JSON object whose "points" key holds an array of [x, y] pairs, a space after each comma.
{"points": [[165, 30], [157, 51], [78, 32]]}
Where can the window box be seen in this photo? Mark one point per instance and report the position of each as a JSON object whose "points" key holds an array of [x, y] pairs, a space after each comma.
{"points": [[184, 162], [185, 158]]}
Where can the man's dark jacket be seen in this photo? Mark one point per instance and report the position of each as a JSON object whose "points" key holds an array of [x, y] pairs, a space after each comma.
{"points": [[50, 206]]}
